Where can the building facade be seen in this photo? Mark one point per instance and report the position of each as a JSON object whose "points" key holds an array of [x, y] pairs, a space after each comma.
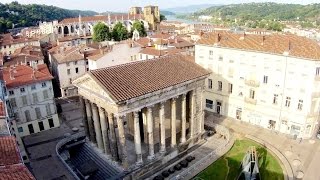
{"points": [[30, 98], [270, 81], [144, 108]]}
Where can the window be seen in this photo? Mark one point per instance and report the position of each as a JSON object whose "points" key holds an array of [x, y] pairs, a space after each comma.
{"points": [[265, 79], [219, 85], [38, 113], [33, 87], [45, 94], [48, 109], [252, 93], [27, 114], [87, 69], [70, 81], [288, 99], [16, 115], [41, 127], [11, 92], [13, 102], [300, 103], [68, 71], [30, 127], [75, 63], [220, 58], [68, 64], [210, 52], [318, 71], [77, 70], [24, 100], [44, 84], [22, 90], [20, 129], [51, 124], [275, 99], [209, 104], [210, 83], [35, 97], [230, 87]]}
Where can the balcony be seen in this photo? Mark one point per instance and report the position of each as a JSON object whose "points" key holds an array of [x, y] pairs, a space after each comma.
{"points": [[252, 83], [250, 101]]}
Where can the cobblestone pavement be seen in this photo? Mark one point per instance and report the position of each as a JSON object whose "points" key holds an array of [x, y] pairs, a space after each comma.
{"points": [[303, 155], [44, 163]]}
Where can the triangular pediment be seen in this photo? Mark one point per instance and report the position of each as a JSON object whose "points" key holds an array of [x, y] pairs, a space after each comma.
{"points": [[89, 84]]}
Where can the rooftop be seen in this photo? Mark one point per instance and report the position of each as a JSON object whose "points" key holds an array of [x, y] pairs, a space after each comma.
{"points": [[9, 152], [23, 75], [15, 172], [8, 39], [276, 44], [67, 54], [113, 17], [156, 52], [131, 80]]}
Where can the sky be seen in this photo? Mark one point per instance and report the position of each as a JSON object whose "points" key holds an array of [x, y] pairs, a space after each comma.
{"points": [[124, 5]]}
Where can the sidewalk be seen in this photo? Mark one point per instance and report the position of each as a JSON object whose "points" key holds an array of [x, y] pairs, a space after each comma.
{"points": [[303, 156]]}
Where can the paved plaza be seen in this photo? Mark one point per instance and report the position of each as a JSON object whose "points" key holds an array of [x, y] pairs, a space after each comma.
{"points": [[41, 147]]}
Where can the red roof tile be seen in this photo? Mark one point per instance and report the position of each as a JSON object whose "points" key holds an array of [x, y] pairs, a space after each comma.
{"points": [[23, 75], [276, 44], [135, 79], [15, 172], [9, 152], [157, 52]]}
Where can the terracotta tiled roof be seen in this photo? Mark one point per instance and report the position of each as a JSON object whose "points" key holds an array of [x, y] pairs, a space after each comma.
{"points": [[9, 152], [135, 79], [23, 75], [161, 36], [2, 108], [144, 42], [275, 44], [21, 59], [68, 54], [156, 52], [15, 172], [113, 17], [7, 39]]}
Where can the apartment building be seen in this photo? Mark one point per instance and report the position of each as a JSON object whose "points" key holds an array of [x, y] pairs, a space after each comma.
{"points": [[32, 108], [272, 81]]}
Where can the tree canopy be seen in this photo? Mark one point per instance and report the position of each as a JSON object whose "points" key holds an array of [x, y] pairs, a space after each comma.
{"points": [[29, 15], [162, 17], [139, 27], [119, 32], [101, 32]]}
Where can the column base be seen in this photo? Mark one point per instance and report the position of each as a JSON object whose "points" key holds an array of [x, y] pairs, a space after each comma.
{"points": [[183, 140], [151, 157], [162, 151]]}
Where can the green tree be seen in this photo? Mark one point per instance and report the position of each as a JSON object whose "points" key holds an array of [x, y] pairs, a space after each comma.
{"points": [[162, 17], [119, 32], [100, 32], [137, 25]]}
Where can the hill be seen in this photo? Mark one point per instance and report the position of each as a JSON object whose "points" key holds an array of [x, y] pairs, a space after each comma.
{"points": [[189, 9], [167, 13], [266, 11], [29, 15]]}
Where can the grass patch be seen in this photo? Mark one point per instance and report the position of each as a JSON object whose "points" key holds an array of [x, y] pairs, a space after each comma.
{"points": [[227, 167]]}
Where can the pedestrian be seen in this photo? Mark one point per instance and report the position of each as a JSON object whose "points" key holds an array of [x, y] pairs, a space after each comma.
{"points": [[300, 140]]}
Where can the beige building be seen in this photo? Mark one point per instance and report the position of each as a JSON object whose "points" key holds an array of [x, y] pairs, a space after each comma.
{"points": [[8, 43], [152, 16], [134, 108], [271, 81], [135, 10]]}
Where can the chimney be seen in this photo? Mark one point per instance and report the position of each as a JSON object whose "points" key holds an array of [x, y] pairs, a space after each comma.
{"points": [[263, 39], [11, 74]]}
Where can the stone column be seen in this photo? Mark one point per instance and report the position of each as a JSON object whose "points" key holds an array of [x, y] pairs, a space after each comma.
{"points": [[122, 141], [97, 126], [113, 141], [104, 129], [173, 123], [192, 112], [90, 122], [201, 109], [137, 138], [162, 129], [84, 116], [183, 119], [150, 133]]}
